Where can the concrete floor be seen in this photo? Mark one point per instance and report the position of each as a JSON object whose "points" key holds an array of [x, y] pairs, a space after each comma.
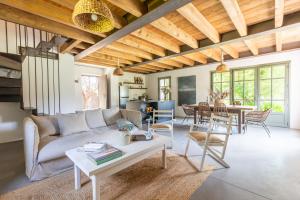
{"points": [[261, 167]]}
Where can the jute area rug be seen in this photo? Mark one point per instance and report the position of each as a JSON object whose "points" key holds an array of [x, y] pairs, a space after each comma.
{"points": [[143, 181]]}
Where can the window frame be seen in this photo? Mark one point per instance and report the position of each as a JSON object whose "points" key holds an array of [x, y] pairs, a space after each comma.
{"points": [[257, 84], [95, 76], [160, 78]]}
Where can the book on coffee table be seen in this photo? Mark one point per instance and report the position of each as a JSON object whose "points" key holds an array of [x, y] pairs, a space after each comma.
{"points": [[106, 154]]}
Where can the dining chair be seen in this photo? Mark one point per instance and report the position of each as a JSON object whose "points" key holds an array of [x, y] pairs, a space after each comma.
{"points": [[220, 109], [164, 126], [204, 112], [188, 111], [211, 139], [258, 118]]}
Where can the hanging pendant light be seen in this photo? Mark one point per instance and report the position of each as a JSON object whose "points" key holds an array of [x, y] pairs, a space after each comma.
{"points": [[93, 15], [118, 71], [222, 67]]}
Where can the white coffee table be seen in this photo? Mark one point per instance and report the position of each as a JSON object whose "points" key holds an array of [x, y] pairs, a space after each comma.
{"points": [[134, 152]]}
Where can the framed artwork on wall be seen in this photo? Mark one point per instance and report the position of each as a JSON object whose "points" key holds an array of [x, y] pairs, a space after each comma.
{"points": [[186, 90]]}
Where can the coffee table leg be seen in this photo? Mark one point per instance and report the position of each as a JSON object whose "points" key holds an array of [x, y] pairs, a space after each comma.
{"points": [[164, 158], [96, 187], [77, 177]]}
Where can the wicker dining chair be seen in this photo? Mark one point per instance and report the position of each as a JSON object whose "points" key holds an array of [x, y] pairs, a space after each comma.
{"points": [[204, 112], [258, 118], [220, 109], [188, 111]]}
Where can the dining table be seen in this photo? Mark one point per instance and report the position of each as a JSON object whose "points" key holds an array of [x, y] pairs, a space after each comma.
{"points": [[239, 110]]}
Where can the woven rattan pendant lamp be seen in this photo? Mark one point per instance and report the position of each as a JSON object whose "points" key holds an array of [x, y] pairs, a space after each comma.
{"points": [[222, 67], [118, 71], [93, 15]]}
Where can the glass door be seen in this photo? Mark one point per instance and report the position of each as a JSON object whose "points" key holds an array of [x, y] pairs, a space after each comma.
{"points": [[273, 93]]}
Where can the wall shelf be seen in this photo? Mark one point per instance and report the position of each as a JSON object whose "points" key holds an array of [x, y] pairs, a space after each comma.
{"points": [[132, 83], [132, 88]]}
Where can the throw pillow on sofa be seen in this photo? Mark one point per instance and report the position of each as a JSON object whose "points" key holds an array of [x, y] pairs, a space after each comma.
{"points": [[111, 115], [94, 118], [72, 123], [47, 125]]}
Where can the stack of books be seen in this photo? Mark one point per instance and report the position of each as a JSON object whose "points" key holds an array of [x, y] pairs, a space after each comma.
{"points": [[107, 153]]}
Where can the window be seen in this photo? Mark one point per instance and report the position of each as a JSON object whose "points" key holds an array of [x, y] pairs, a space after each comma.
{"points": [[272, 88], [263, 86], [164, 88], [244, 86], [90, 91], [221, 82]]}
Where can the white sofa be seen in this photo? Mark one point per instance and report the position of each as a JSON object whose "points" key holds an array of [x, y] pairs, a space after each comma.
{"points": [[45, 156]]}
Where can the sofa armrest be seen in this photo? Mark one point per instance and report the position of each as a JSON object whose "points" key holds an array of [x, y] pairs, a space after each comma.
{"points": [[31, 144], [133, 116]]}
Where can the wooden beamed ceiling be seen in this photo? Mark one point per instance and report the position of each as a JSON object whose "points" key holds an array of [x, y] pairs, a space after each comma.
{"points": [[176, 34]]}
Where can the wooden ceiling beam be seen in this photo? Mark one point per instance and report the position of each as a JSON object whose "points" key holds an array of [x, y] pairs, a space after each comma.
{"points": [[153, 67], [135, 7], [198, 57], [171, 29], [112, 63], [279, 13], [136, 42], [195, 17], [234, 12], [144, 69], [110, 58], [151, 36], [230, 51], [130, 50], [20, 17], [278, 39], [151, 16], [161, 65], [171, 63], [95, 63], [262, 29], [212, 53], [119, 54], [251, 46], [83, 45], [184, 60], [66, 47], [135, 71]]}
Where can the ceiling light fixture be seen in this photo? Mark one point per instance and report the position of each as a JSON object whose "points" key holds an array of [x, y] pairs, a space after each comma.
{"points": [[222, 67], [93, 15], [118, 71]]}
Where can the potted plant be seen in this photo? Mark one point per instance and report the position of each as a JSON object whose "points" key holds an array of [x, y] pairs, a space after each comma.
{"points": [[217, 96]]}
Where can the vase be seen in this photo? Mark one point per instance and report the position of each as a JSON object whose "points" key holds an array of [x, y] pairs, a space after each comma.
{"points": [[219, 101]]}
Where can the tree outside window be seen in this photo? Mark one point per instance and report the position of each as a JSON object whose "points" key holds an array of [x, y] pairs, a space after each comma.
{"points": [[90, 91], [221, 83], [164, 88]]}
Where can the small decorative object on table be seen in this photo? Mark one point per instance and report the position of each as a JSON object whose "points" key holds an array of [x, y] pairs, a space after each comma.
{"points": [[218, 96], [141, 136]]}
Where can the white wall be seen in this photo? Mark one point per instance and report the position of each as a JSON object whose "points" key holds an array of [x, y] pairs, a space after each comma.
{"points": [[203, 80]]}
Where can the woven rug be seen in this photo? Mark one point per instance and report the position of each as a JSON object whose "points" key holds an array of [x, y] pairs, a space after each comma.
{"points": [[143, 181]]}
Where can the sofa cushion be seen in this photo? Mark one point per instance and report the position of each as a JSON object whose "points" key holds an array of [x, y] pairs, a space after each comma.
{"points": [[57, 148], [72, 123], [47, 125], [94, 118], [111, 115]]}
